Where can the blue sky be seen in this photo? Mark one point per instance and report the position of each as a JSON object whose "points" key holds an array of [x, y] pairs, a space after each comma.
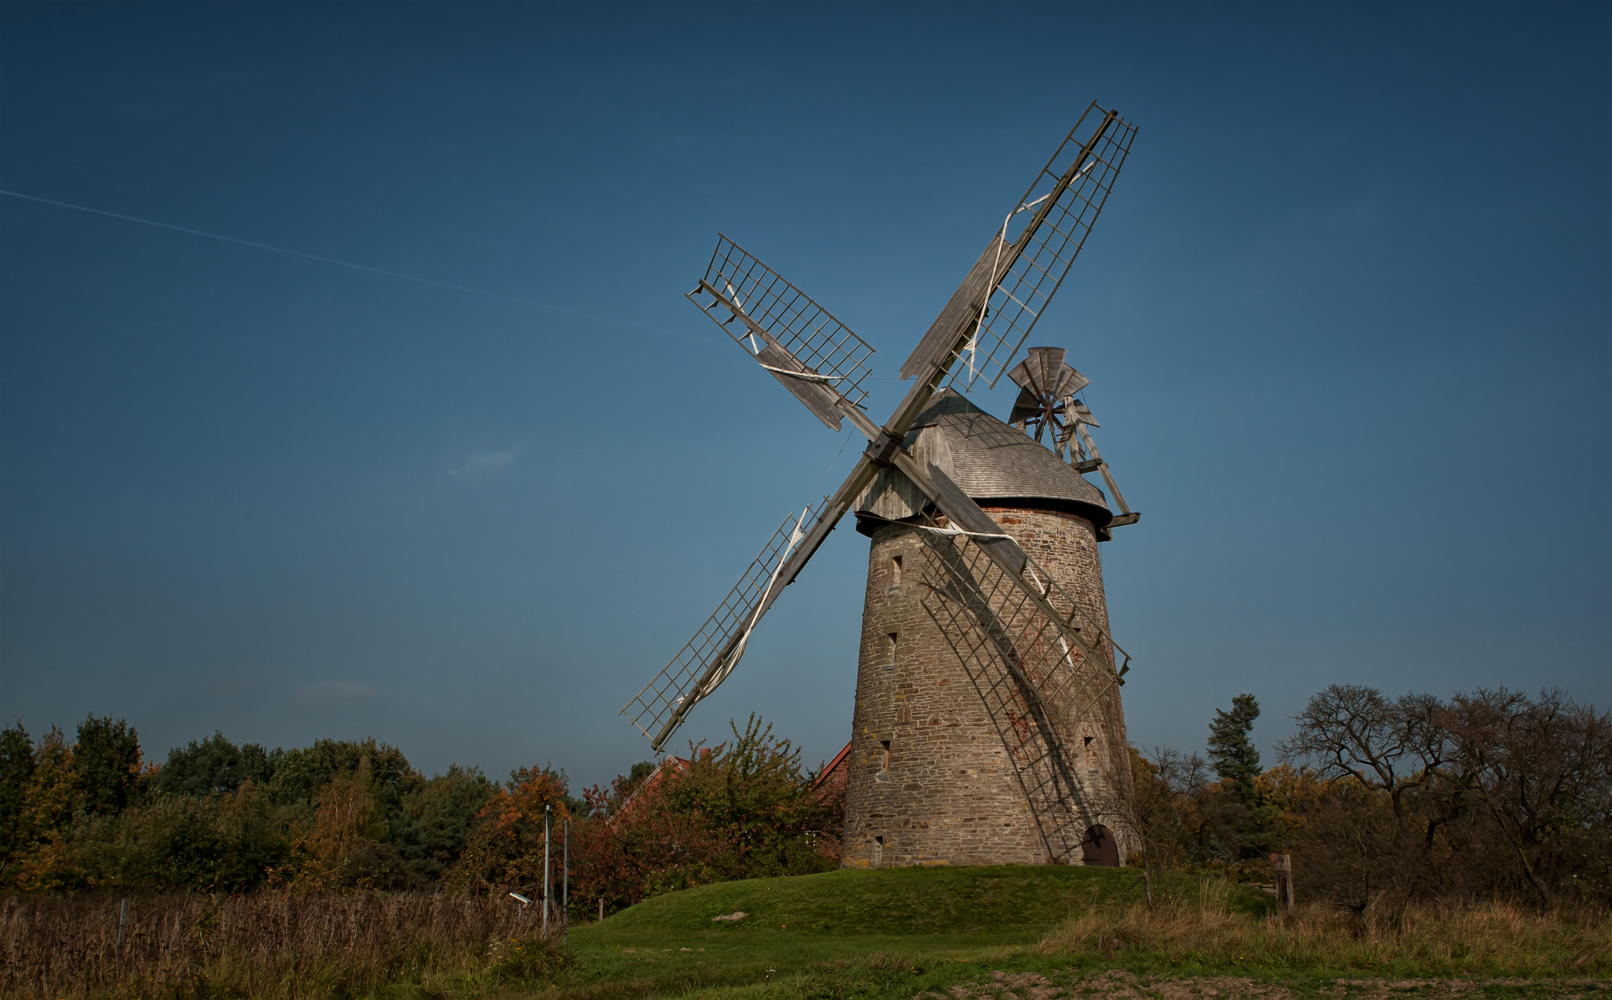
{"points": [[1347, 319]]}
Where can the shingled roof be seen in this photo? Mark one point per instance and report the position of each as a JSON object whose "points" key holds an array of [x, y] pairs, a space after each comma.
{"points": [[997, 465]]}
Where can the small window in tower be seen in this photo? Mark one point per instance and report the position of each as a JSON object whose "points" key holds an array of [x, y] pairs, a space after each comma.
{"points": [[890, 649], [886, 765], [895, 571]]}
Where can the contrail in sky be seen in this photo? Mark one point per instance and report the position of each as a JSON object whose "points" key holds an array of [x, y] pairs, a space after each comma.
{"points": [[322, 260]]}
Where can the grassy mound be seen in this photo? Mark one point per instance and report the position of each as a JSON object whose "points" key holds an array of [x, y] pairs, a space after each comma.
{"points": [[1015, 901], [1057, 933]]}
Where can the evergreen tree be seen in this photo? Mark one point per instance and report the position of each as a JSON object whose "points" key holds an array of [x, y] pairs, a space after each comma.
{"points": [[1231, 752]]}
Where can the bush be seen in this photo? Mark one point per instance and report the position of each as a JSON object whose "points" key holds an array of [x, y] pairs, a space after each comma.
{"points": [[525, 960], [1492, 939], [742, 809]]}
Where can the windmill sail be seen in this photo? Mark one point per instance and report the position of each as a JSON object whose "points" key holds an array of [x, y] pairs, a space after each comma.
{"points": [[787, 332], [707, 659], [1010, 285]]}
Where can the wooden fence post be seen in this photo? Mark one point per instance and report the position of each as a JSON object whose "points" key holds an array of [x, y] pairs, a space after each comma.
{"points": [[1282, 865]]}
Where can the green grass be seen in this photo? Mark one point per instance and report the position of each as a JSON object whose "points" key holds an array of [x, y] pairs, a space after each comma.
{"points": [[1005, 902], [856, 928], [897, 934], [839, 921], [921, 914], [844, 933]]}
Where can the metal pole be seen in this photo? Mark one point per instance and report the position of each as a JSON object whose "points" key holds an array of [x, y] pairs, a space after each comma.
{"points": [[545, 873], [123, 916], [565, 889]]}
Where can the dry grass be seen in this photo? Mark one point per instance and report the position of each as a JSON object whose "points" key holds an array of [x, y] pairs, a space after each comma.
{"points": [[261, 945], [1492, 939]]}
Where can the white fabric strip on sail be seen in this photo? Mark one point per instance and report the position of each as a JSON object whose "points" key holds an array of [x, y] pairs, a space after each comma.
{"points": [[732, 661], [805, 376]]}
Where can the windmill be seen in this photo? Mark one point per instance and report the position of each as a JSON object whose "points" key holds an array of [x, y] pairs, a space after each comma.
{"points": [[1036, 652]]}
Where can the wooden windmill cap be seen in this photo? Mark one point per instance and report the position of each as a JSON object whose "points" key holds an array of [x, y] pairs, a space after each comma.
{"points": [[995, 464]]}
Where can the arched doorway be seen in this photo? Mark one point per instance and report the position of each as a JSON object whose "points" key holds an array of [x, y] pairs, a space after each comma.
{"points": [[1099, 847]]}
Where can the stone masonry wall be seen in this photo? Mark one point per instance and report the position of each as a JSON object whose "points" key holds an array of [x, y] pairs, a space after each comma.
{"points": [[929, 780]]}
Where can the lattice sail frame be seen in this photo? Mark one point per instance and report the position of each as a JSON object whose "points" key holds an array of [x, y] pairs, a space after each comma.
{"points": [[1021, 291], [825, 346], [1034, 682], [677, 687]]}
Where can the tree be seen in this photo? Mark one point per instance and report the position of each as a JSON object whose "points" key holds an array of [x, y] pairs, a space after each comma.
{"points": [[1161, 810], [742, 809], [506, 846], [633, 843], [434, 827], [301, 774], [108, 758], [222, 843], [1355, 731], [639, 772], [1545, 779], [346, 846], [1231, 753], [753, 792], [54, 795], [1489, 794], [16, 771], [215, 766]]}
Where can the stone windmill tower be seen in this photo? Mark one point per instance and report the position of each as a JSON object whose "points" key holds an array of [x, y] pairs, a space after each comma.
{"points": [[985, 618], [946, 765]]}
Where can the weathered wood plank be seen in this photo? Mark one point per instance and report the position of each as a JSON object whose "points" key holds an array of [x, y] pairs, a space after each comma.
{"points": [[961, 310], [968, 515], [816, 396]]}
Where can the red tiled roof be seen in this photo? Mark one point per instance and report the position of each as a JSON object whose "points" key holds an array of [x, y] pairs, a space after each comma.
{"points": [[833, 777]]}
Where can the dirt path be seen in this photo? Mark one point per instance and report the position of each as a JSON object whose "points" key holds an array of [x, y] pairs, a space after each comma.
{"points": [[1119, 985]]}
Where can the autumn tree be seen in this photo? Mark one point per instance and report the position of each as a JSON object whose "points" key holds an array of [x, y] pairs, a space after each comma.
{"points": [[1352, 731], [505, 847], [634, 843]]}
